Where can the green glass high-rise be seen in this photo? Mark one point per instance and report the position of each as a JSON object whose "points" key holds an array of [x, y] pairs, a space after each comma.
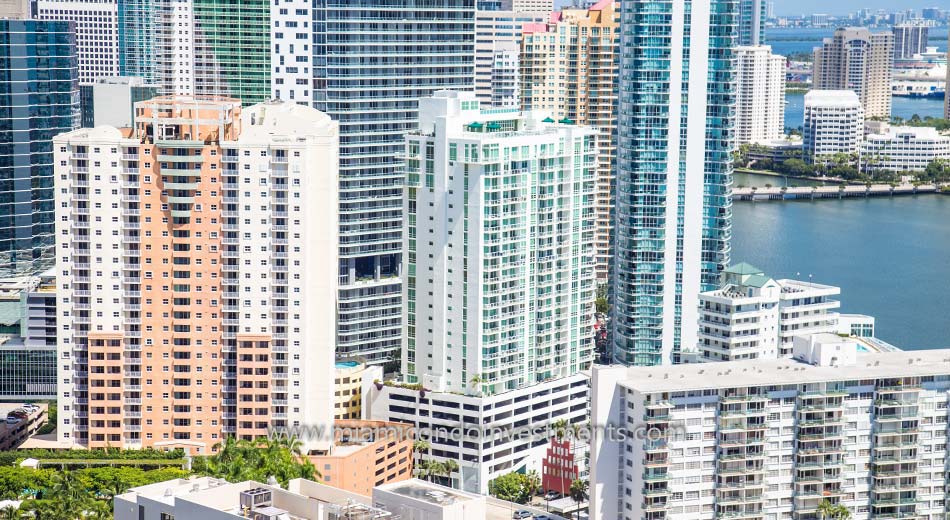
{"points": [[676, 134], [198, 47], [232, 49]]}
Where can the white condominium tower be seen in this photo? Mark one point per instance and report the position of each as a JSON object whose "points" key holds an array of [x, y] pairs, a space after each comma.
{"points": [[752, 316], [197, 275], [499, 228], [859, 60], [366, 63], [676, 135], [772, 439], [833, 124], [97, 34], [760, 106]]}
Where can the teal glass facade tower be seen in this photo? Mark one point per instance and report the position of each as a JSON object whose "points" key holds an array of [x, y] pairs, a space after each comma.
{"points": [[39, 98], [752, 16], [675, 141]]}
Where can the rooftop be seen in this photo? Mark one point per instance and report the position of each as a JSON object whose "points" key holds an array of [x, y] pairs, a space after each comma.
{"points": [[428, 492], [768, 372], [842, 98]]}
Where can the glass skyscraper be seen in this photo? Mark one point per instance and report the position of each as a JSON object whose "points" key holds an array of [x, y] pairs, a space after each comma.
{"points": [[752, 16], [198, 47], [369, 63], [676, 135], [38, 101]]}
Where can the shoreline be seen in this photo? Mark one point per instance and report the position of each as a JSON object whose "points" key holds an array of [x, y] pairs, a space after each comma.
{"points": [[770, 173]]}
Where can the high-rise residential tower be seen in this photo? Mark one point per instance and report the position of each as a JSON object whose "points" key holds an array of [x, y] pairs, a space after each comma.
{"points": [[909, 39], [674, 176], [760, 96], [197, 274], [499, 32], [499, 228], [39, 99], [369, 74], [752, 16], [569, 68], [97, 34], [769, 439], [500, 290], [198, 47], [859, 60]]}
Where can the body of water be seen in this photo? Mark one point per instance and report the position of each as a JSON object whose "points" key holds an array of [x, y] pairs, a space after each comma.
{"points": [[793, 40], [900, 106], [890, 256]]}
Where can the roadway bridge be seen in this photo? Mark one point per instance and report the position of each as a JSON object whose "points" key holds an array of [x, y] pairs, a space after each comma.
{"points": [[831, 192]]}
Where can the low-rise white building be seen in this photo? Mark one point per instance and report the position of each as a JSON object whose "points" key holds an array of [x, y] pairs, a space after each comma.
{"points": [[903, 148], [206, 498], [487, 435], [752, 316], [771, 439], [833, 124]]}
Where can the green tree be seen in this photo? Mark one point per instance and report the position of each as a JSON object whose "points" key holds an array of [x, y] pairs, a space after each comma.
{"points": [[239, 460], [10, 513], [513, 487], [937, 170], [578, 492]]}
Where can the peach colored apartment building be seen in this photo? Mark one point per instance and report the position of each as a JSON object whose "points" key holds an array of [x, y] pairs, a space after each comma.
{"points": [[366, 454], [569, 68], [191, 251]]}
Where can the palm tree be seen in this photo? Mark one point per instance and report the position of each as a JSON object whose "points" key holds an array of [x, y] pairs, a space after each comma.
{"points": [[450, 466], [532, 484], [828, 510], [578, 492], [10, 513]]}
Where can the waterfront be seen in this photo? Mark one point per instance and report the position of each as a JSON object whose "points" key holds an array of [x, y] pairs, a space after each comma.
{"points": [[904, 107], [890, 256], [795, 40]]}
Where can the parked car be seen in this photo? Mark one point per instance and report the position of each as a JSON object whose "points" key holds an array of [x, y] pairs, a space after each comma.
{"points": [[521, 515], [552, 495], [12, 420]]}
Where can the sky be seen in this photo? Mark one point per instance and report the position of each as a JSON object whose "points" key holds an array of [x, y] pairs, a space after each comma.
{"points": [[796, 7]]}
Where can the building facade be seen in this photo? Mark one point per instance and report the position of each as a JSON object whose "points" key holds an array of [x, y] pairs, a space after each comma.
{"points": [[499, 232], [569, 68], [350, 383], [196, 276], [198, 47], [497, 42], [111, 101], [752, 316], [857, 59], [752, 17], [909, 39], [366, 454], [833, 124], [521, 423], [369, 76], [675, 141], [903, 149], [505, 79], [97, 34], [775, 438], [760, 95], [28, 338], [40, 101]]}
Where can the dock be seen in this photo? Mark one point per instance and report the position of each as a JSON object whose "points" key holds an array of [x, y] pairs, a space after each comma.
{"points": [[831, 192]]}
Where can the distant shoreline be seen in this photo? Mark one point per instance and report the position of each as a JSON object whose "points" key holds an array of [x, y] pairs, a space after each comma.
{"points": [[770, 173]]}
